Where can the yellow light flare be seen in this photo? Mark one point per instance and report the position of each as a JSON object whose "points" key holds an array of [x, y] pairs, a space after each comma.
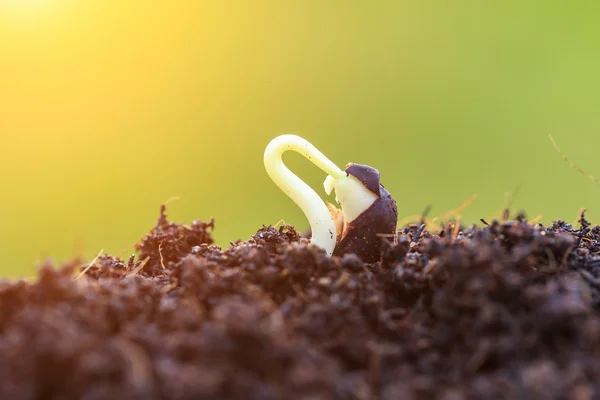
{"points": [[17, 15], [20, 7]]}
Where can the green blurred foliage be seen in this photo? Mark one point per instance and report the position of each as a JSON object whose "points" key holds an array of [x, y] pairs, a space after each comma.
{"points": [[110, 108]]}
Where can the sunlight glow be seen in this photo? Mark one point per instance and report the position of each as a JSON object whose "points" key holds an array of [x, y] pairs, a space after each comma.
{"points": [[25, 4], [31, 16], [19, 9]]}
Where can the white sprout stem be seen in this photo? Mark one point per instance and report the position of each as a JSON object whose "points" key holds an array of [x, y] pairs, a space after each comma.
{"points": [[318, 215]]}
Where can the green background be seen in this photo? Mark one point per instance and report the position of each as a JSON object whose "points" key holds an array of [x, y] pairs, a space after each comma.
{"points": [[110, 108]]}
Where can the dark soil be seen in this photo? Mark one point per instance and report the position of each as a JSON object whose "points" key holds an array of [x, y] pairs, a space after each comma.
{"points": [[507, 311]]}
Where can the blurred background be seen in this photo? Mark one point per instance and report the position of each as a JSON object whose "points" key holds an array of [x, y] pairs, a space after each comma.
{"points": [[108, 108]]}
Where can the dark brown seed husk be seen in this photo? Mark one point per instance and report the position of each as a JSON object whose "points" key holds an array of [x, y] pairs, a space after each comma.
{"points": [[366, 234], [368, 176]]}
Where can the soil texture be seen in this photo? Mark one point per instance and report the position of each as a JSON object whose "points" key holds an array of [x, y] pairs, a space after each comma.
{"points": [[510, 310]]}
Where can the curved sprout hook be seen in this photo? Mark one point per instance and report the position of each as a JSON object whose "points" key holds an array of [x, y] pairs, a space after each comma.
{"points": [[368, 211], [321, 221]]}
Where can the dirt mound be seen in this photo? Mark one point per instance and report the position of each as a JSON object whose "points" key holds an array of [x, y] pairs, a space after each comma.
{"points": [[507, 311]]}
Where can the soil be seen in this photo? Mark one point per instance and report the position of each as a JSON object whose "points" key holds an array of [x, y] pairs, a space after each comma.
{"points": [[510, 310]]}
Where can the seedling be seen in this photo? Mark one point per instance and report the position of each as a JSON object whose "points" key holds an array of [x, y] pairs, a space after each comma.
{"points": [[320, 219], [367, 213]]}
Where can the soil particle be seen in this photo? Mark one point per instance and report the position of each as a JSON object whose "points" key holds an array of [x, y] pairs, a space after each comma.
{"points": [[506, 311]]}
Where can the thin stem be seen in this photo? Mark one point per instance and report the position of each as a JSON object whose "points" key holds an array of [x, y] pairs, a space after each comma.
{"points": [[572, 164], [317, 213]]}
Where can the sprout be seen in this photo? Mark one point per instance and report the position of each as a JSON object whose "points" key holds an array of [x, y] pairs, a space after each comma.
{"points": [[368, 210], [321, 221]]}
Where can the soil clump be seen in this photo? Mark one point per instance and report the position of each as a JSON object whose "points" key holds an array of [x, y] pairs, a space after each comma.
{"points": [[510, 310]]}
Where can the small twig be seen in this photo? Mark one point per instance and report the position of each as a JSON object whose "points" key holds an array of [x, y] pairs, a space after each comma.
{"points": [[138, 268], [536, 220], [162, 260], [456, 210], [419, 232], [90, 264], [171, 199], [455, 230], [280, 222], [571, 164], [425, 213]]}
